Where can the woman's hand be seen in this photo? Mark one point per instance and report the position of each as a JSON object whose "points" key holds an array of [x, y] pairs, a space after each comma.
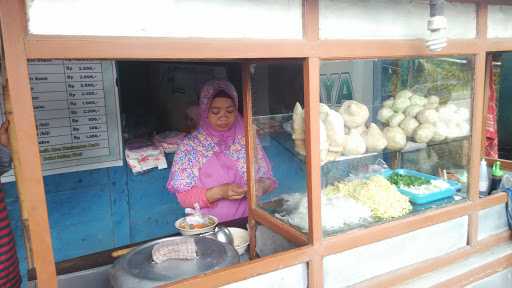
{"points": [[225, 191], [263, 186], [234, 191]]}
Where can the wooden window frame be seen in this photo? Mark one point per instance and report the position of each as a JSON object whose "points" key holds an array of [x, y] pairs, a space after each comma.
{"points": [[19, 46]]}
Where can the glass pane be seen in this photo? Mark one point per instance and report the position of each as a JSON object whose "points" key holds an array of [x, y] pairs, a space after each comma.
{"points": [[394, 138], [498, 21], [179, 18], [396, 19], [276, 89], [503, 87], [497, 128]]}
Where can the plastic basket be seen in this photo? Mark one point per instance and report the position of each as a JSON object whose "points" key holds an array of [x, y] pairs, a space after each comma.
{"points": [[425, 198]]}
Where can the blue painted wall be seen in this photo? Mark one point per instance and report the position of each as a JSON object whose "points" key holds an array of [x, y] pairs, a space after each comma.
{"points": [[101, 209]]}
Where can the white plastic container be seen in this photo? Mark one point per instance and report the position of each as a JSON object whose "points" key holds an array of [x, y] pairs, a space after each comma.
{"points": [[240, 239], [484, 178]]}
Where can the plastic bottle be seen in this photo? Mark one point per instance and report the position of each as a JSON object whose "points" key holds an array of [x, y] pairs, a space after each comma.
{"points": [[496, 176], [484, 178]]}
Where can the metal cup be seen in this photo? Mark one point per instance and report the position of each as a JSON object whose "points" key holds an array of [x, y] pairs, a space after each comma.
{"points": [[222, 234]]}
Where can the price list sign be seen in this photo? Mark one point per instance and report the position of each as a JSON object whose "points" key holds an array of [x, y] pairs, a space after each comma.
{"points": [[77, 114]]}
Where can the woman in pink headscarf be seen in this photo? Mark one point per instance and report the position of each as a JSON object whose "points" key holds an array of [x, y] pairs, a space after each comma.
{"points": [[209, 167]]}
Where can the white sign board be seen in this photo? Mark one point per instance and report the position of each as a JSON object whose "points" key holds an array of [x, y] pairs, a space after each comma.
{"points": [[77, 115]]}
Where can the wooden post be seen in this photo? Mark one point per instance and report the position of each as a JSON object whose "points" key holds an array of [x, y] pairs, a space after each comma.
{"points": [[310, 20], [477, 123], [24, 145], [312, 122], [251, 196], [311, 32]]}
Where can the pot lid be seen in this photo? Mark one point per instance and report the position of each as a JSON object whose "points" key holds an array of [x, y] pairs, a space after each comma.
{"points": [[137, 267]]}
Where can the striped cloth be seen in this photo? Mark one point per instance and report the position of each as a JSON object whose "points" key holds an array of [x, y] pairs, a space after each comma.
{"points": [[9, 268]]}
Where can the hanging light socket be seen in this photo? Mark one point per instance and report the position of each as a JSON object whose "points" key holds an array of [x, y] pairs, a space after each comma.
{"points": [[436, 25]]}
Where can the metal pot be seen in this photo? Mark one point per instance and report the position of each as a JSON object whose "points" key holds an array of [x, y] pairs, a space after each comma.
{"points": [[137, 270]]}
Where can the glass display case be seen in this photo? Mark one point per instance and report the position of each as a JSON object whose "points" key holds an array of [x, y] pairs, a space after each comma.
{"points": [[275, 88], [394, 139]]}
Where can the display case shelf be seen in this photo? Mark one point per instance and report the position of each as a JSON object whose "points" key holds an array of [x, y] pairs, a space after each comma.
{"points": [[275, 207], [284, 138]]}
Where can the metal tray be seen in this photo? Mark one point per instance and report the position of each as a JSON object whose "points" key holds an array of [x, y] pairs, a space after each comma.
{"points": [[136, 269]]}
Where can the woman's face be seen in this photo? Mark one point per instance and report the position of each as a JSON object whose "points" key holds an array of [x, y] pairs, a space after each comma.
{"points": [[222, 113]]}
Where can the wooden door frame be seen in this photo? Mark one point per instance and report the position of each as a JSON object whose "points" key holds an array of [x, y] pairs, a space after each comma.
{"points": [[20, 46]]}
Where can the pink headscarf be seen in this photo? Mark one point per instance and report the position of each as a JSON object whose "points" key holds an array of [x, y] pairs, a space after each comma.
{"points": [[199, 146]]}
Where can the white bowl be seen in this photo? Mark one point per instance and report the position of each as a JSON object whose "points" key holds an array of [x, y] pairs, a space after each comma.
{"points": [[240, 239], [188, 232]]}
